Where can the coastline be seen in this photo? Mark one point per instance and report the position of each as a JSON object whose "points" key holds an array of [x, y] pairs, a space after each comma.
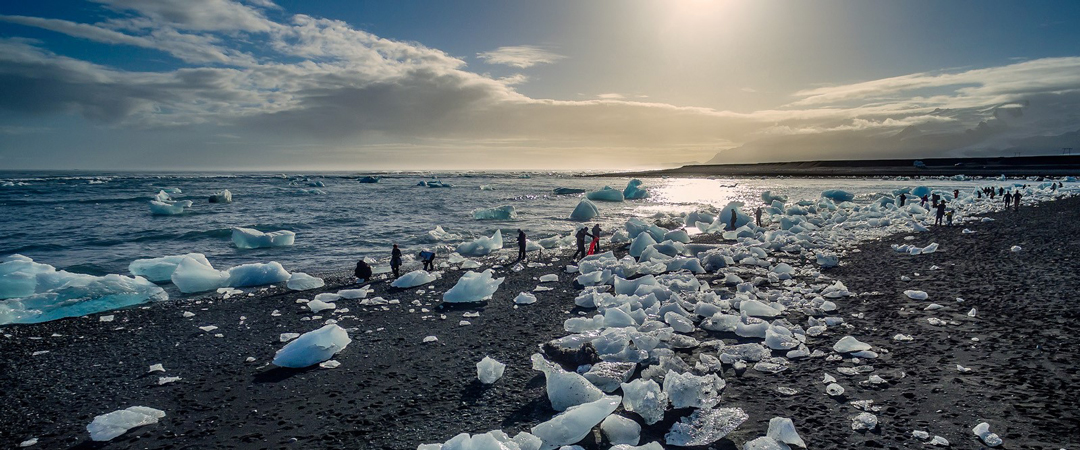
{"points": [[394, 391]]}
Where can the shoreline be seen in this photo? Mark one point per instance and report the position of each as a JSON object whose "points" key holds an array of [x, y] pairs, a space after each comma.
{"points": [[394, 391]]}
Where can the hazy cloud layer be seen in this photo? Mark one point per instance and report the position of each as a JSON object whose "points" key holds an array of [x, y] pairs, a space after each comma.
{"points": [[338, 92]]}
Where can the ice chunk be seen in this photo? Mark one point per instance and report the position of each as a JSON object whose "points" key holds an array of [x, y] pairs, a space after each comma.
{"points": [[313, 347], [161, 269], [506, 212], [525, 298], [482, 246], [634, 191], [257, 274], [492, 440], [864, 422], [1015, 248], [838, 195], [834, 390], [413, 279], [764, 443], [197, 275], [705, 426], [246, 238], [567, 191], [286, 337], [108, 426], [641, 242], [159, 208], [939, 441], [156, 368], [609, 375], [982, 430], [301, 281], [353, 294], [167, 380], [549, 278], [565, 389], [489, 370], [916, 295], [429, 339], [620, 430], [575, 423], [783, 430], [645, 398], [440, 235], [755, 308], [649, 446], [473, 287], [223, 196], [607, 194], [585, 210], [318, 305], [848, 344], [691, 391]]}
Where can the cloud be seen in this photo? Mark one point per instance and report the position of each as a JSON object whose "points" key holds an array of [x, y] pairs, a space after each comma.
{"points": [[520, 56], [611, 96], [198, 15]]}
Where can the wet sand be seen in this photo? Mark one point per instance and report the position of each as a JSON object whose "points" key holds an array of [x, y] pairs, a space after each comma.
{"points": [[392, 391]]}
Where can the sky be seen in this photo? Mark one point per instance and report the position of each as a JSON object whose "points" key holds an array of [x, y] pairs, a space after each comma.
{"points": [[556, 84]]}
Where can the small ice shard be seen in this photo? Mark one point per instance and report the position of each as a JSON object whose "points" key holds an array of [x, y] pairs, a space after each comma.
{"points": [[413, 279], [973, 312], [786, 390], [932, 307], [28, 443], [827, 379], [208, 328], [903, 337], [982, 430], [764, 443], [331, 364], [939, 441], [968, 231], [691, 391], [962, 369], [782, 429], [301, 281], [848, 344], [489, 370], [565, 389], [167, 380], [188, 314], [549, 278], [864, 422], [916, 295], [473, 287], [286, 337], [318, 305], [920, 435], [525, 298], [108, 318], [874, 379], [108, 426], [1015, 248], [575, 423], [428, 339], [156, 368], [248, 238], [649, 446], [705, 426], [834, 390], [313, 347], [645, 398], [620, 430]]}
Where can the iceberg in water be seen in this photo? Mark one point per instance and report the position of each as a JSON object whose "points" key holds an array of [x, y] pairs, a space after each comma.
{"points": [[251, 238], [161, 269], [159, 208], [634, 191], [500, 213], [567, 191], [439, 235], [473, 287], [39, 293], [585, 210], [482, 246], [607, 194], [413, 279], [313, 347], [108, 426], [838, 195], [221, 197]]}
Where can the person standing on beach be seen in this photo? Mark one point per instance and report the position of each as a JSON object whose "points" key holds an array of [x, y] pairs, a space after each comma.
{"points": [[757, 217], [948, 218], [1001, 191], [594, 248], [978, 194], [935, 199], [903, 199], [940, 213], [395, 261], [521, 244], [955, 194], [924, 200], [1016, 200], [733, 217], [1008, 199], [580, 236], [991, 194]]}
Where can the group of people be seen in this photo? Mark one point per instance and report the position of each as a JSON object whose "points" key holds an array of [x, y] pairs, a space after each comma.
{"points": [[580, 236]]}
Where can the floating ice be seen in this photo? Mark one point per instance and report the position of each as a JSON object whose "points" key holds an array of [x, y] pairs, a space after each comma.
{"points": [[473, 287], [525, 298], [221, 197], [575, 423], [161, 269], [413, 279], [565, 389], [634, 191], [257, 274], [197, 275], [585, 210], [247, 238], [500, 213], [301, 281], [691, 391], [567, 191], [982, 430], [159, 208], [916, 295], [607, 194], [108, 426], [439, 235], [313, 347], [489, 370], [705, 426], [864, 422], [645, 398], [620, 430], [838, 195], [482, 246]]}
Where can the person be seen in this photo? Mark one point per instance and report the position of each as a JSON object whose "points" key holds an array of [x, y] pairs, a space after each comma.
{"points": [[757, 216], [935, 199], [428, 257], [362, 272], [992, 194], [1053, 187], [521, 244], [733, 218], [978, 194], [594, 247], [955, 193], [395, 261], [948, 218], [903, 199], [580, 236], [1001, 191], [1016, 200], [1008, 198], [924, 200]]}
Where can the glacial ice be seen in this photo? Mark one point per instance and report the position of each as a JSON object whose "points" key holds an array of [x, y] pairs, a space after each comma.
{"points": [[313, 347], [506, 212], [834, 390], [645, 398], [223, 196], [247, 238], [768, 197], [317, 306], [301, 281], [634, 191], [565, 389], [1015, 249], [764, 443], [257, 274], [413, 279], [567, 191], [692, 391], [481, 246], [848, 344], [607, 194], [473, 287], [620, 430], [982, 430], [864, 422], [439, 235], [108, 426], [197, 275], [525, 298], [705, 426], [492, 440], [575, 423], [641, 242], [838, 195], [782, 429], [161, 269], [584, 211], [159, 208], [649, 446], [489, 370], [916, 295], [609, 375], [755, 308]]}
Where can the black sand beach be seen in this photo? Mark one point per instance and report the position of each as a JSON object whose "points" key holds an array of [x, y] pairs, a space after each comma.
{"points": [[394, 392]]}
